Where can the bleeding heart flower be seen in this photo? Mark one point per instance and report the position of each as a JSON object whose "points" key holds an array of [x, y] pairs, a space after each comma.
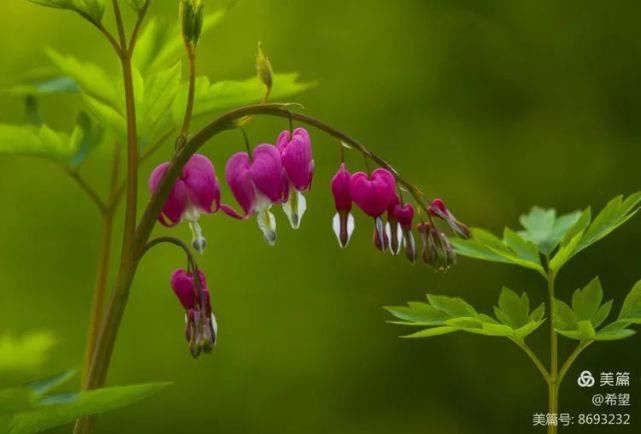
{"points": [[257, 183], [194, 193], [393, 228], [296, 153], [201, 328], [343, 221], [374, 194], [404, 214], [438, 209]]}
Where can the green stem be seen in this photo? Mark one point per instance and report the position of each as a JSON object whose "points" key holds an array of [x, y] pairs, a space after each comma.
{"points": [[537, 362], [568, 363], [553, 383], [102, 207], [191, 54]]}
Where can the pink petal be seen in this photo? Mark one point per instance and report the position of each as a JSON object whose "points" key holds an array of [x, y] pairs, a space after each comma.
{"points": [[373, 194], [237, 173], [267, 172], [297, 158], [341, 189], [176, 203], [200, 177], [183, 285]]}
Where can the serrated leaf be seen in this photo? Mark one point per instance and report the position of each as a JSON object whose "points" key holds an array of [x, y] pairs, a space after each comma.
{"points": [[543, 228], [154, 109], [615, 331], [523, 248], [564, 317], [86, 403], [602, 314], [434, 331], [211, 98], [515, 309], [580, 226], [420, 313], [586, 302], [538, 313], [565, 253], [529, 328], [631, 309], [86, 136], [453, 306], [613, 215]]}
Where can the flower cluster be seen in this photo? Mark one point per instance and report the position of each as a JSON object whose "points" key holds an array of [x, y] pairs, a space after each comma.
{"points": [[280, 174], [376, 195]]}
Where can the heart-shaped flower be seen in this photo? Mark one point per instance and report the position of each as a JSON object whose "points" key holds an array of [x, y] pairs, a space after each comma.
{"points": [[374, 194], [296, 153], [195, 192], [343, 222], [257, 183]]}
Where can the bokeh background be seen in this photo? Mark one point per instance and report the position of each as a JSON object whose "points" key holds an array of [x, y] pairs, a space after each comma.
{"points": [[495, 106]]}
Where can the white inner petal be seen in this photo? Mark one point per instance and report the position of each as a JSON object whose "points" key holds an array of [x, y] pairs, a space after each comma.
{"points": [[295, 207], [336, 226], [198, 242], [267, 224]]}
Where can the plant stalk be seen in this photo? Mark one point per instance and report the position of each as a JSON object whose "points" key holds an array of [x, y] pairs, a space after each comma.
{"points": [[553, 383]]}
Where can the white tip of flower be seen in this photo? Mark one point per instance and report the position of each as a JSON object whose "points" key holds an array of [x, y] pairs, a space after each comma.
{"points": [[295, 208], [267, 224], [343, 229], [214, 326], [380, 230], [198, 242], [399, 237]]}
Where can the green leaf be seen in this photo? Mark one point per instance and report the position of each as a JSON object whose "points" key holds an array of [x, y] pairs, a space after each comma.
{"points": [[524, 249], [564, 317], [26, 353], [449, 314], [602, 314], [418, 313], [586, 302], [85, 137], [565, 253], [613, 215], [154, 108], [513, 310], [543, 228], [211, 98], [434, 331], [631, 309], [580, 226], [137, 5], [614, 331], [92, 402], [452, 306], [92, 9]]}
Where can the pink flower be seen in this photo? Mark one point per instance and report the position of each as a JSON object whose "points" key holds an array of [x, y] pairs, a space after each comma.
{"points": [[343, 222], [296, 153], [374, 194], [257, 183], [438, 209], [404, 214], [194, 193], [201, 327]]}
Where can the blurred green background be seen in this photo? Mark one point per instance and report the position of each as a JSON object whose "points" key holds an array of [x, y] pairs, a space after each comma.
{"points": [[493, 105]]}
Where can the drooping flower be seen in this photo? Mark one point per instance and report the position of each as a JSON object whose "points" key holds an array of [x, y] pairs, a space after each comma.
{"points": [[438, 209], [374, 194], [343, 221], [437, 252], [296, 153], [201, 327], [393, 228], [257, 183], [404, 214], [194, 193]]}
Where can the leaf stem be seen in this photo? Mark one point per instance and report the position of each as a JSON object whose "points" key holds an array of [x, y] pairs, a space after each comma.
{"points": [[572, 358], [553, 383], [537, 362]]}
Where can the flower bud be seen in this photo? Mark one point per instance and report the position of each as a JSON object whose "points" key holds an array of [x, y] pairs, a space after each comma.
{"points": [[191, 17], [264, 68], [404, 214], [438, 209], [437, 250]]}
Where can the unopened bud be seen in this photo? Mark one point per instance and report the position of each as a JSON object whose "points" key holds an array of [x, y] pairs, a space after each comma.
{"points": [[264, 68], [191, 16], [437, 252]]}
